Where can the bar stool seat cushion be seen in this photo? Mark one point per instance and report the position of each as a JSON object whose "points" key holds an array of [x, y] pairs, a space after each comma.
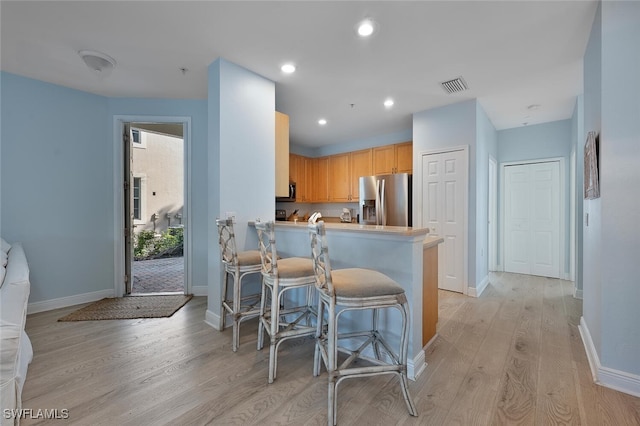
{"points": [[249, 257], [295, 267], [359, 282]]}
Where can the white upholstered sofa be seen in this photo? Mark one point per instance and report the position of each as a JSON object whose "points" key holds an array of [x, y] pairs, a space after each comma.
{"points": [[15, 347]]}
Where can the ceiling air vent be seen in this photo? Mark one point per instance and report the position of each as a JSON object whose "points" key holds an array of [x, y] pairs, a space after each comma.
{"points": [[455, 85]]}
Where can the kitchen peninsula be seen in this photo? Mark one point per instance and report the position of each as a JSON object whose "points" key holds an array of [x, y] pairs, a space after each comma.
{"points": [[393, 250]]}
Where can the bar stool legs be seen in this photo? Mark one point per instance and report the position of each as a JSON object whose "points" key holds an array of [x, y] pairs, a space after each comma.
{"points": [[280, 318], [238, 265], [348, 290]]}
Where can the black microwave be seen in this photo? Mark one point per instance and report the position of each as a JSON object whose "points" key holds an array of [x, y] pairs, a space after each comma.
{"points": [[292, 194]]}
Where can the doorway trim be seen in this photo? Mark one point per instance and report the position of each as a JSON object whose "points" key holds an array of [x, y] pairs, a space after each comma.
{"points": [[563, 218], [493, 214], [118, 195]]}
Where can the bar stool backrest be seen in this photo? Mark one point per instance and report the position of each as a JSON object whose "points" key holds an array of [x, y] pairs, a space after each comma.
{"points": [[267, 245], [320, 256], [227, 241]]}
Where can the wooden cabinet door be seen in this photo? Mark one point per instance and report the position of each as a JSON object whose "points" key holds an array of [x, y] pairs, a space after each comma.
{"points": [[360, 164], [293, 168], [317, 184], [338, 177], [321, 183], [312, 172], [282, 155], [404, 157], [384, 160], [396, 158], [297, 174], [301, 179]]}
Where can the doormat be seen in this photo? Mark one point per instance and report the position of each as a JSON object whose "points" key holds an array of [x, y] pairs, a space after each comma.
{"points": [[129, 307]]}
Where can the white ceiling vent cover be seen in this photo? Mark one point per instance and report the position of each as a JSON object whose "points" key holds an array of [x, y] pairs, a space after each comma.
{"points": [[455, 85]]}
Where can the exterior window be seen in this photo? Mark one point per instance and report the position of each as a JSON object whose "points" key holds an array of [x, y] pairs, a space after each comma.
{"points": [[135, 136], [137, 193]]}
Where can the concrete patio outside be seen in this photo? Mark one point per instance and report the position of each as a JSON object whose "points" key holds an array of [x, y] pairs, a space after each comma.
{"points": [[158, 275]]}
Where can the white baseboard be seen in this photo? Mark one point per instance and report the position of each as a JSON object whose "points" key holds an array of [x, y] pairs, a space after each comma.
{"points": [[200, 290], [604, 376], [212, 319], [477, 291], [416, 366], [63, 302], [577, 293]]}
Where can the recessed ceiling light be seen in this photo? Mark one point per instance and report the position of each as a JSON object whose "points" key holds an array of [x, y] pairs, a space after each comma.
{"points": [[366, 28], [322, 122], [388, 103], [288, 68]]}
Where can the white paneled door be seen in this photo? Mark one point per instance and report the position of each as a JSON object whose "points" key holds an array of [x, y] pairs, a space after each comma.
{"points": [[532, 219], [444, 194]]}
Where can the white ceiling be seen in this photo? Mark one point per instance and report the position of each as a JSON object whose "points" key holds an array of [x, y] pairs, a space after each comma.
{"points": [[511, 54]]}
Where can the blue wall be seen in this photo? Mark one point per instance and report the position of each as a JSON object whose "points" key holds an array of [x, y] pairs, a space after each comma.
{"points": [[58, 182], [610, 247], [58, 148], [591, 282], [355, 145], [487, 145], [241, 124], [578, 140], [57, 185], [534, 142], [619, 183]]}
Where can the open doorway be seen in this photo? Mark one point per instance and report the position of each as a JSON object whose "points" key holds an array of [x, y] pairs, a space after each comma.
{"points": [[154, 208]]}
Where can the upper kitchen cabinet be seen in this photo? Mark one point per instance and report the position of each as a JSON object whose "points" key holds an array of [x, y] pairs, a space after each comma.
{"points": [[339, 189], [317, 179], [282, 155], [344, 174], [360, 164], [298, 174], [390, 159], [384, 160], [404, 157]]}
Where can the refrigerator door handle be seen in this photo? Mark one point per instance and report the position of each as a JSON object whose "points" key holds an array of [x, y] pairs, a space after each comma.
{"points": [[383, 207], [377, 201]]}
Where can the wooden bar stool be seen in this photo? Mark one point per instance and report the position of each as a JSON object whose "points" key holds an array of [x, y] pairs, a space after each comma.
{"points": [[283, 319], [355, 289], [237, 264]]}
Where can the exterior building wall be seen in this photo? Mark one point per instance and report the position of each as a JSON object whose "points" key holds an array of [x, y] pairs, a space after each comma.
{"points": [[158, 161]]}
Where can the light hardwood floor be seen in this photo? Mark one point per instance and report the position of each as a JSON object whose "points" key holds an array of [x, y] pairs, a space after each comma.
{"points": [[512, 356]]}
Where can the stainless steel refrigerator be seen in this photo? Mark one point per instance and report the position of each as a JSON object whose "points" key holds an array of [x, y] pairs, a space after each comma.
{"points": [[386, 200]]}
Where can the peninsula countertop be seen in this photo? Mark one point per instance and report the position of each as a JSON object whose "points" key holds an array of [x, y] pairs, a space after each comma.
{"points": [[405, 231], [432, 241]]}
